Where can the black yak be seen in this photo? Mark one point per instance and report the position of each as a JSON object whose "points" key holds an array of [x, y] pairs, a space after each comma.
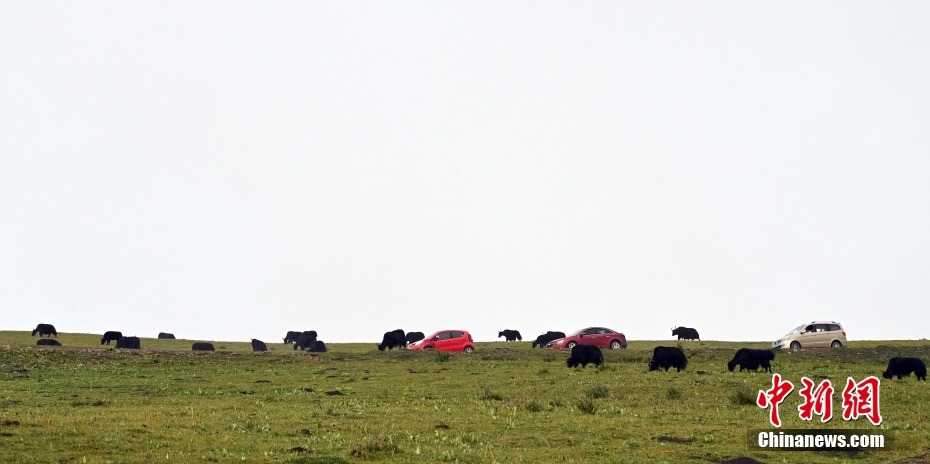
{"points": [[413, 337], [898, 367], [510, 335], [258, 345], [547, 337], [394, 338], [47, 342], [165, 336], [751, 359], [317, 347], [291, 336], [44, 329], [666, 357], [685, 333], [584, 355], [110, 336], [131, 343], [305, 340], [202, 346]]}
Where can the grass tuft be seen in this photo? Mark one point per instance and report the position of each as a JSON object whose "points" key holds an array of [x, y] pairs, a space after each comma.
{"points": [[743, 396], [316, 460], [586, 406], [534, 406], [103, 402], [378, 445], [597, 391], [487, 395], [673, 393]]}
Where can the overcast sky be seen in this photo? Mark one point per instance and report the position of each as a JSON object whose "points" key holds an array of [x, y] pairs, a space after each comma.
{"points": [[227, 170]]}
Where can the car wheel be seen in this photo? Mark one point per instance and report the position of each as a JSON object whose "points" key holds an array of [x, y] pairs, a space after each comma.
{"points": [[570, 345], [836, 344], [615, 345], [795, 346], [469, 349]]}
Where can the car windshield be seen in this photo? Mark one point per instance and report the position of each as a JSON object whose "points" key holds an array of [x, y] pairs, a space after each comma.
{"points": [[796, 329], [575, 333]]}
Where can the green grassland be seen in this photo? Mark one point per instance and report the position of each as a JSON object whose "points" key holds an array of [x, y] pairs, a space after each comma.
{"points": [[505, 403]]}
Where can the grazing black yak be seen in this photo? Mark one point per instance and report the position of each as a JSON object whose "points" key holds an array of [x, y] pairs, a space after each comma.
{"points": [[305, 340], [202, 346], [317, 346], [898, 367], [666, 357], [110, 336], [291, 337], [47, 342], [165, 336], [547, 337], [258, 345], [392, 339], [413, 337], [584, 355], [510, 335], [685, 333], [44, 329], [131, 343], [751, 359], [750, 365]]}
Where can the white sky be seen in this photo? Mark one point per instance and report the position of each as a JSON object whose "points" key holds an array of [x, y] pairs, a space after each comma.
{"points": [[226, 170]]}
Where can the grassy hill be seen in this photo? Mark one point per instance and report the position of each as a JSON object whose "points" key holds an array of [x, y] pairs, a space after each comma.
{"points": [[504, 403]]}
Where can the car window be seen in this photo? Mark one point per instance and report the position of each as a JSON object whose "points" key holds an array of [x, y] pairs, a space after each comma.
{"points": [[607, 331], [444, 335], [457, 334], [795, 330], [809, 328], [834, 327], [592, 331]]}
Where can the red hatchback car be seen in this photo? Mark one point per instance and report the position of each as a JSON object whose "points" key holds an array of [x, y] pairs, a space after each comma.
{"points": [[458, 341], [597, 336]]}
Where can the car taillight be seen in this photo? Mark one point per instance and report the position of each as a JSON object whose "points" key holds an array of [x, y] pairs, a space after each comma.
{"points": [[844, 333], [469, 337]]}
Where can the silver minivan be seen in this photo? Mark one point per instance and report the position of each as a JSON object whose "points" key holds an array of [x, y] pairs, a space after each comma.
{"points": [[817, 334]]}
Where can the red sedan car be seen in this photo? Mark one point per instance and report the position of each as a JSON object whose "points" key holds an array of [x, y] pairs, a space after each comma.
{"points": [[597, 336], [458, 341]]}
